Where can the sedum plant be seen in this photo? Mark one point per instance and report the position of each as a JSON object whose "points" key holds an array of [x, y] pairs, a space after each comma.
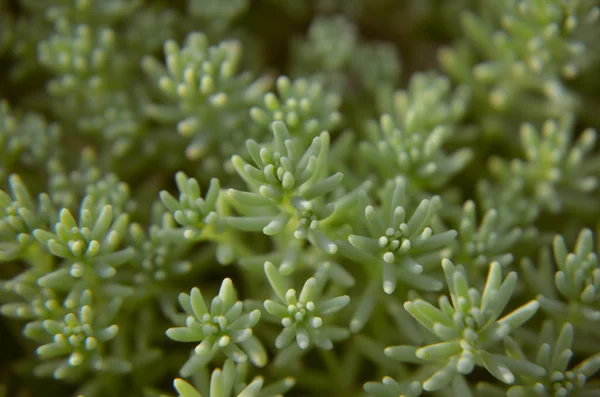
{"points": [[302, 315], [289, 189], [552, 361], [554, 172], [304, 105], [225, 383], [20, 141], [206, 93], [222, 326], [524, 54], [317, 198], [468, 325], [410, 136]]}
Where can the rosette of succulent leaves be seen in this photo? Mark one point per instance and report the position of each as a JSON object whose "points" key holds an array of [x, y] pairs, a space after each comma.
{"points": [[318, 198]]}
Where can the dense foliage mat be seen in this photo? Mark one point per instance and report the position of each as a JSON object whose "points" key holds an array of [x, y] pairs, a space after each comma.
{"points": [[260, 198]]}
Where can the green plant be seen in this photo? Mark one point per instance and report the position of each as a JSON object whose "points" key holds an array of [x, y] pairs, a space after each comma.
{"points": [[272, 197]]}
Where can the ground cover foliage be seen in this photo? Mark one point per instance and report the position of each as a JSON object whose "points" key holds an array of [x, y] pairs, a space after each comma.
{"points": [[260, 198]]}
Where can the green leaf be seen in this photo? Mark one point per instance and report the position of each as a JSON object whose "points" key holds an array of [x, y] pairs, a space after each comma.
{"points": [[185, 389]]}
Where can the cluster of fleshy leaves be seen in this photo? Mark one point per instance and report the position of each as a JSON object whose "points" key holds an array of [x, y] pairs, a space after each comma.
{"points": [[413, 129], [221, 326], [206, 94], [554, 375], [228, 381], [557, 170], [519, 57]]}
